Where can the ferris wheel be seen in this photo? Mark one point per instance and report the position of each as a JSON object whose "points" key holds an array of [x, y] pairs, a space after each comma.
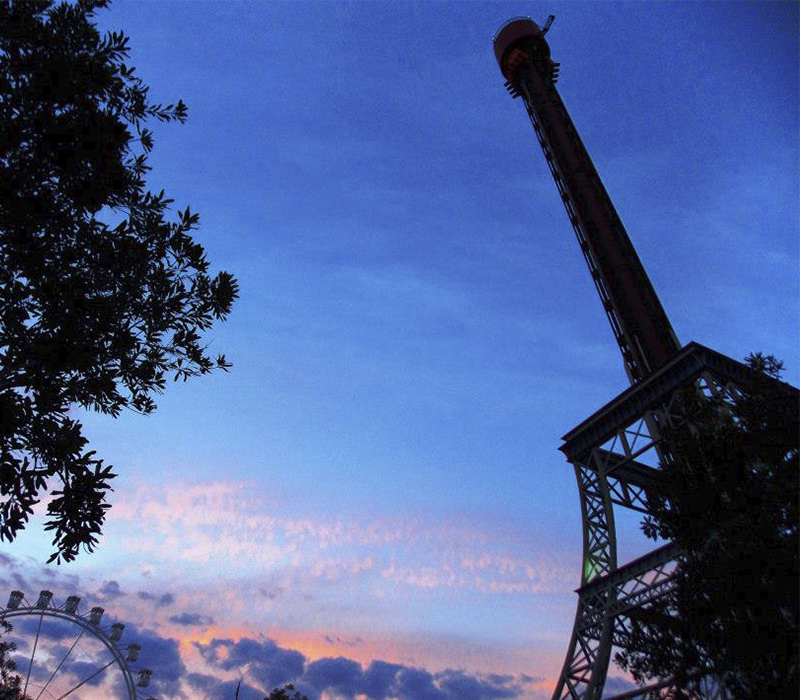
{"points": [[95, 654]]}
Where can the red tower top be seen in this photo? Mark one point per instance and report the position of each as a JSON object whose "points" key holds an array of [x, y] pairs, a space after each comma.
{"points": [[519, 32], [638, 320]]}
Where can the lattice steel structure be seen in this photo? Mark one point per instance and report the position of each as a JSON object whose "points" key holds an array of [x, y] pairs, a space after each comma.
{"points": [[617, 450], [615, 453]]}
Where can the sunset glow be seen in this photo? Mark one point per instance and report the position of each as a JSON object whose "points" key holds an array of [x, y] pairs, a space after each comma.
{"points": [[371, 504]]}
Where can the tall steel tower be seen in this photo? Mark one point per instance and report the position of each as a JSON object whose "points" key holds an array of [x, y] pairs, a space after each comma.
{"points": [[617, 450], [640, 326]]}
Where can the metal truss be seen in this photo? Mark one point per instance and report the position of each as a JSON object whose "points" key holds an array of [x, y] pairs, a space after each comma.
{"points": [[616, 452], [710, 689], [632, 366]]}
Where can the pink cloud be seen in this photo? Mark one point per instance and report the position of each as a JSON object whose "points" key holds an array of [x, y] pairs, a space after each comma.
{"points": [[227, 524], [235, 610], [247, 568]]}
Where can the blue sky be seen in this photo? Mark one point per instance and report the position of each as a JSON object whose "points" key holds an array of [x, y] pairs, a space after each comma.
{"points": [[416, 327]]}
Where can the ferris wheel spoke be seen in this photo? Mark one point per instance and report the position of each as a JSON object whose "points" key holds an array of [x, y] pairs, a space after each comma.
{"points": [[60, 663], [86, 680], [89, 624], [33, 653], [49, 692]]}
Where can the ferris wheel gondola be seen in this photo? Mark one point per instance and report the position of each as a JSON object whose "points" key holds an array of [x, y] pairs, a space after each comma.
{"points": [[114, 657]]}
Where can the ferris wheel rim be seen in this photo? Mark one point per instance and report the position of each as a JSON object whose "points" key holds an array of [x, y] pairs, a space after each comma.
{"points": [[94, 630]]}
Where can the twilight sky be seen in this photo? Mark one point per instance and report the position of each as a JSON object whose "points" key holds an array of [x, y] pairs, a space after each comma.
{"points": [[372, 504]]}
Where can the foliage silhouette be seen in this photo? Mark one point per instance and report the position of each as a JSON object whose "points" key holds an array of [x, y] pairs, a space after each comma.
{"points": [[10, 682], [730, 500], [92, 314], [285, 693], [276, 694]]}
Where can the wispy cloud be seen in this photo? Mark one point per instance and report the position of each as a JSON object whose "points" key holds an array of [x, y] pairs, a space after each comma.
{"points": [[225, 523], [203, 561], [212, 665]]}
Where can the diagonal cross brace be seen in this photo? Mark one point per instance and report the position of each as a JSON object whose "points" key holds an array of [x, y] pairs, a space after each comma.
{"points": [[631, 586]]}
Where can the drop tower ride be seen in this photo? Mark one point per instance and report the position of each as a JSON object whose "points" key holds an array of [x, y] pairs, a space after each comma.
{"points": [[640, 325], [616, 451]]}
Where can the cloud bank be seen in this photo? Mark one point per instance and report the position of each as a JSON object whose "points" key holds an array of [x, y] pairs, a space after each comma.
{"points": [[264, 664], [211, 669]]}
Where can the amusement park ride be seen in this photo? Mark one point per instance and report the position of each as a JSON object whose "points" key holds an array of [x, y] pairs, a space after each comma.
{"points": [[96, 652], [616, 452], [618, 449]]}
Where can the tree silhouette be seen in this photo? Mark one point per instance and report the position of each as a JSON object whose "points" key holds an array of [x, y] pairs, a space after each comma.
{"points": [[285, 693], [102, 296], [730, 500], [276, 694], [10, 682]]}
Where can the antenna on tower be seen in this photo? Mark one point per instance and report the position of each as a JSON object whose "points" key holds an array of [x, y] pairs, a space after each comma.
{"points": [[548, 24]]}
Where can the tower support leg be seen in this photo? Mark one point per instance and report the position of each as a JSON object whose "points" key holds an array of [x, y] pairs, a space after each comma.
{"points": [[616, 454]]}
